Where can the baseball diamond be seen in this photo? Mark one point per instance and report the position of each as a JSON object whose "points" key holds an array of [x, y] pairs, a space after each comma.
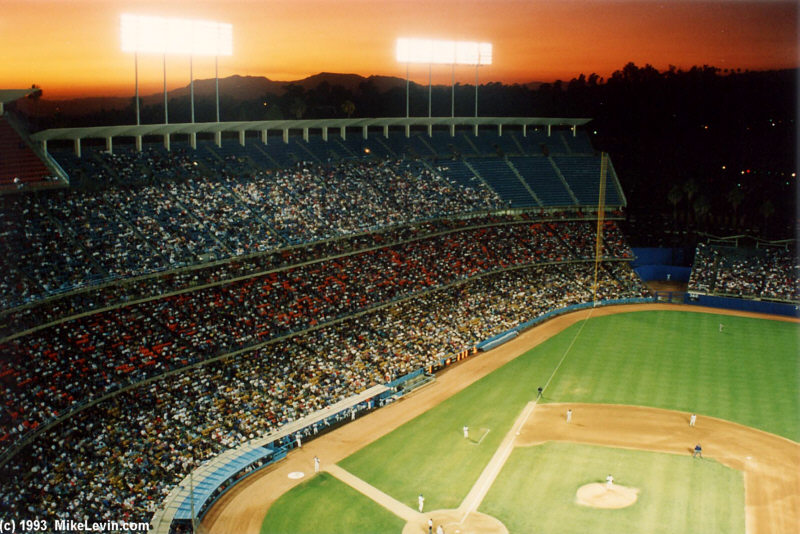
{"points": [[763, 465]]}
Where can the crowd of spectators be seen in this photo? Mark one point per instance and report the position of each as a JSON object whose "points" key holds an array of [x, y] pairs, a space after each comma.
{"points": [[55, 241], [87, 357], [111, 462], [132, 289], [766, 273]]}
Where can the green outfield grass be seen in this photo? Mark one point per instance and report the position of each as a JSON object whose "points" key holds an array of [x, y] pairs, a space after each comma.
{"points": [[749, 373], [324, 504], [536, 490]]}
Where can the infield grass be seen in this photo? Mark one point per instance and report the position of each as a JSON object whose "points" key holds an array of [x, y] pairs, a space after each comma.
{"points": [[536, 492], [324, 504]]}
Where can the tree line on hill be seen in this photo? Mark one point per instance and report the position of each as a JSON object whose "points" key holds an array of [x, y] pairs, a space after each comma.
{"points": [[702, 149]]}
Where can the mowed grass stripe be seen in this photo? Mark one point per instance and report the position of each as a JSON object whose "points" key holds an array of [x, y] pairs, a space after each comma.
{"points": [[324, 504], [748, 373], [536, 492]]}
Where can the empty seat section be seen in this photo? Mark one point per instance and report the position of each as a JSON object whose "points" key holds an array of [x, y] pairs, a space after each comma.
{"points": [[540, 176], [532, 141], [502, 179], [447, 146], [578, 144], [17, 159], [582, 173], [491, 144]]}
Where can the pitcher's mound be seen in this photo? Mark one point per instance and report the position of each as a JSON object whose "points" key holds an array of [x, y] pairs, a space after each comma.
{"points": [[600, 496]]}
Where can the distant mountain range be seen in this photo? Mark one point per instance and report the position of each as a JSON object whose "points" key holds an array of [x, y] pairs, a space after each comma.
{"points": [[237, 87]]}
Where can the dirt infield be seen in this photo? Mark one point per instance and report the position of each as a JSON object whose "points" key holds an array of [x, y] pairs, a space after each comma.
{"points": [[772, 479]]}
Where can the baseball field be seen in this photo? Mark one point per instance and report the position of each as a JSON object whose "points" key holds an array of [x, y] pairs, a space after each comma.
{"points": [[631, 376]]}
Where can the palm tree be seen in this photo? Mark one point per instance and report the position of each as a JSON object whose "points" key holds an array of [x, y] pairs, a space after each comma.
{"points": [[735, 198], [690, 188], [674, 197], [298, 107], [767, 210], [348, 107], [701, 207]]}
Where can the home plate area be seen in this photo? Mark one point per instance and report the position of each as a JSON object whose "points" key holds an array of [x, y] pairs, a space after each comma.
{"points": [[453, 522]]}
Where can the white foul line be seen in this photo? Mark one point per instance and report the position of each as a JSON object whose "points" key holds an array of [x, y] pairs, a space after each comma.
{"points": [[492, 469]]}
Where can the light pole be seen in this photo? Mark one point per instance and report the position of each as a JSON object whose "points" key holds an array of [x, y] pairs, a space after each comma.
{"points": [[441, 52]]}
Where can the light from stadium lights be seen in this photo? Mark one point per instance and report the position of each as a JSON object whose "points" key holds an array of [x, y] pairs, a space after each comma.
{"points": [[160, 35], [434, 51]]}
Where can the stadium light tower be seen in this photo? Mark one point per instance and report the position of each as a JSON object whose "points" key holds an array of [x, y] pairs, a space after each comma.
{"points": [[433, 51], [160, 35]]}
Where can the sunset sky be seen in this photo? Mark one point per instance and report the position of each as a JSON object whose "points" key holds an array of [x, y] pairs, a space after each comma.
{"points": [[72, 48]]}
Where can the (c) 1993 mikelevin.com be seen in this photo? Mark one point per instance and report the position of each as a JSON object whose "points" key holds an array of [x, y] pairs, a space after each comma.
{"points": [[70, 525]]}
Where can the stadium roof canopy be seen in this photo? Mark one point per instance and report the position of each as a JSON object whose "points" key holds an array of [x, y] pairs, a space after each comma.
{"points": [[12, 95], [217, 128]]}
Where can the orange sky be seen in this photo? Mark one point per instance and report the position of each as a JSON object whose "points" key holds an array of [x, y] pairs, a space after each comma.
{"points": [[72, 48]]}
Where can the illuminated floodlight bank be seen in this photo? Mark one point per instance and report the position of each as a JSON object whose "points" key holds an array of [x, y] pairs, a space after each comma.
{"points": [[161, 35], [442, 52]]}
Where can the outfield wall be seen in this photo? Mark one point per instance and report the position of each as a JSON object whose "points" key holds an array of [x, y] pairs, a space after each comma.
{"points": [[672, 264], [749, 305]]}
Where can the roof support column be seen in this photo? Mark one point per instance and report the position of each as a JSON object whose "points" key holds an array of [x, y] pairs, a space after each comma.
{"points": [[218, 139], [452, 129], [524, 130], [77, 144], [193, 140], [241, 137], [44, 145], [305, 135], [430, 130], [549, 126], [342, 133], [475, 130], [138, 141], [364, 131], [574, 130], [109, 145], [167, 143], [325, 133], [499, 130], [264, 136], [286, 135], [408, 130], [386, 131]]}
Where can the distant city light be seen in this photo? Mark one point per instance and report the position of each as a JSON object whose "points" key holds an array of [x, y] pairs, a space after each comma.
{"points": [[434, 51], [160, 35]]}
